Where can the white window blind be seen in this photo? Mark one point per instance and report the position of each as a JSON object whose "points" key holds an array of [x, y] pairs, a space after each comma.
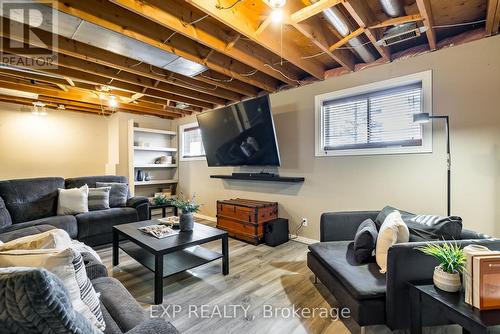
{"points": [[377, 119], [192, 143]]}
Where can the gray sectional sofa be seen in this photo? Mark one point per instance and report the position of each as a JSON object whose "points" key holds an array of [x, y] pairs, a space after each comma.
{"points": [[372, 297], [28, 203], [33, 300]]}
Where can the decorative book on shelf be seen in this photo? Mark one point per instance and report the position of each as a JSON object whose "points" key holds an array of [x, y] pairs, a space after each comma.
{"points": [[486, 282]]}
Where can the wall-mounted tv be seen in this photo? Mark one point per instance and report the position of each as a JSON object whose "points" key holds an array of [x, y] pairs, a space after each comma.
{"points": [[240, 135]]}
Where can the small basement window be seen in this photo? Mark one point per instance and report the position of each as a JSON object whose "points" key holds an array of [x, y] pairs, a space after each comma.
{"points": [[375, 118], [191, 143]]}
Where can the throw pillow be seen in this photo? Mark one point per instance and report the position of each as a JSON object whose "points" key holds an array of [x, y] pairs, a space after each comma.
{"points": [[118, 195], [429, 227], [52, 239], [387, 211], [73, 201], [99, 198], [5, 219], [62, 264], [365, 241], [392, 231]]}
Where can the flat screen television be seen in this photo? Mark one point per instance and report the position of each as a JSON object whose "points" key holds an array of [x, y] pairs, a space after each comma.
{"points": [[240, 135]]}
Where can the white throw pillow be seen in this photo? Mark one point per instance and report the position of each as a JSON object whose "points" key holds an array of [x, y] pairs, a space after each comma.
{"points": [[73, 201], [55, 239], [63, 264], [392, 231]]}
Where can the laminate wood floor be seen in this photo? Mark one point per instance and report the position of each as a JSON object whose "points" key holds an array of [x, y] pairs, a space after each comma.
{"points": [[259, 275]]}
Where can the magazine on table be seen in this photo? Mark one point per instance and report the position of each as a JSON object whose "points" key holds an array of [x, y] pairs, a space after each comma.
{"points": [[159, 231]]}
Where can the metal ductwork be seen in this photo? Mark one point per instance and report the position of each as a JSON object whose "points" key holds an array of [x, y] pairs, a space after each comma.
{"points": [[340, 23], [393, 8]]}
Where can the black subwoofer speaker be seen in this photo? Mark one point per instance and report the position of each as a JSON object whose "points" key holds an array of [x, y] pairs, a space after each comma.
{"points": [[276, 232]]}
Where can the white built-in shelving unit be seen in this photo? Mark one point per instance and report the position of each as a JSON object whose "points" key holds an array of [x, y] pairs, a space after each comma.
{"points": [[145, 146]]}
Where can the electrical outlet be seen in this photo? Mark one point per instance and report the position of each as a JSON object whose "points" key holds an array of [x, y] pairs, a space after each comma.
{"points": [[304, 222]]}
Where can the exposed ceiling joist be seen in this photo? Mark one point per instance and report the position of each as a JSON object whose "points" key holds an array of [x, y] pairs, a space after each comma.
{"points": [[364, 17], [247, 25], [170, 15], [397, 21], [492, 17], [346, 39], [128, 25], [424, 7], [314, 9], [74, 95]]}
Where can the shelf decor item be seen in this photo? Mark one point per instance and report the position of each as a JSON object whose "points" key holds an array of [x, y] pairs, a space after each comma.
{"points": [[146, 176], [452, 261], [140, 175], [188, 207]]}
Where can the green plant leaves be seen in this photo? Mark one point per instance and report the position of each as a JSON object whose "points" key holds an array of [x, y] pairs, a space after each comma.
{"points": [[450, 256]]}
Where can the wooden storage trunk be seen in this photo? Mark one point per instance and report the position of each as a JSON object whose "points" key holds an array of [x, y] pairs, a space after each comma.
{"points": [[244, 219]]}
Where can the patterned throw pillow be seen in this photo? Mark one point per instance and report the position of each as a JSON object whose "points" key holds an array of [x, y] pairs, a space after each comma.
{"points": [[66, 265], [99, 198], [118, 195]]}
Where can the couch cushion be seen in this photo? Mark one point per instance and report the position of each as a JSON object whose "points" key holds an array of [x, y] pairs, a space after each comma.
{"points": [[5, 219], [118, 194], [365, 241], [23, 232], [115, 299], [30, 199], [67, 223], [102, 221], [430, 227], [35, 301], [364, 281], [77, 182]]}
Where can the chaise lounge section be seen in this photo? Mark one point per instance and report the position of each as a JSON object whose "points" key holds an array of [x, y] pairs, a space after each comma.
{"points": [[372, 297]]}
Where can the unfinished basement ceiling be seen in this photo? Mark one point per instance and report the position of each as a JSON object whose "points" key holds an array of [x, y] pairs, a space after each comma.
{"points": [[157, 55]]}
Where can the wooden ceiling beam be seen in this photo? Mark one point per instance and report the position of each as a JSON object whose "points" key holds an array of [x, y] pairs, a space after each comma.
{"points": [[124, 22], [424, 7], [397, 20], [172, 16], [81, 62], [73, 95], [246, 26], [347, 38], [80, 70], [146, 101], [492, 17], [96, 55], [364, 17], [312, 10]]}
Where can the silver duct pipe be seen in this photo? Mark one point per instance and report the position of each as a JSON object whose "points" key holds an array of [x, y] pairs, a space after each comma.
{"points": [[340, 23], [393, 8]]}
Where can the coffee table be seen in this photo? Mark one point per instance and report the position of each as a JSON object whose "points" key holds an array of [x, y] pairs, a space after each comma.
{"points": [[171, 255]]}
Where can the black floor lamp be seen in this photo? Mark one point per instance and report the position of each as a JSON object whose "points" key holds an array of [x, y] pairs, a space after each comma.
{"points": [[425, 118]]}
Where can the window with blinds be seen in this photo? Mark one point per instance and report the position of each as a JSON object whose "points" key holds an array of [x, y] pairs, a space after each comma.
{"points": [[192, 145], [379, 119]]}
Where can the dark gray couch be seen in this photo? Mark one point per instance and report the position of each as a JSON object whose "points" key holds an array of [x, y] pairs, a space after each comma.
{"points": [[375, 298], [122, 314], [33, 202]]}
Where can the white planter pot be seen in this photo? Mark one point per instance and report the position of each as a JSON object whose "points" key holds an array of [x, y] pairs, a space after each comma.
{"points": [[445, 281]]}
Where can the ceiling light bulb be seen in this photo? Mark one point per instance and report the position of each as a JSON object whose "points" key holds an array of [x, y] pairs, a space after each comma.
{"points": [[277, 16], [113, 103], [39, 109], [277, 3]]}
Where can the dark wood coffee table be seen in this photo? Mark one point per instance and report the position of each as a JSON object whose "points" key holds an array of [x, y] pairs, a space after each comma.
{"points": [[171, 255]]}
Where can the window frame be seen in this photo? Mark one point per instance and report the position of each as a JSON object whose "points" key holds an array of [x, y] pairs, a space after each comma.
{"points": [[182, 129], [424, 77]]}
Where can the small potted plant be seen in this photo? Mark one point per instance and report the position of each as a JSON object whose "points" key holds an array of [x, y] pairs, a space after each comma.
{"points": [[452, 261], [188, 207], [162, 200]]}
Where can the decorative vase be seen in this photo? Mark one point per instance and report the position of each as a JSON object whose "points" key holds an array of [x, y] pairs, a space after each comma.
{"points": [[446, 281], [186, 222], [140, 175], [146, 176]]}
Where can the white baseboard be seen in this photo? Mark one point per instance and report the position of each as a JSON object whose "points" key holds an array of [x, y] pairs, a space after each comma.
{"points": [[302, 240], [209, 218]]}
